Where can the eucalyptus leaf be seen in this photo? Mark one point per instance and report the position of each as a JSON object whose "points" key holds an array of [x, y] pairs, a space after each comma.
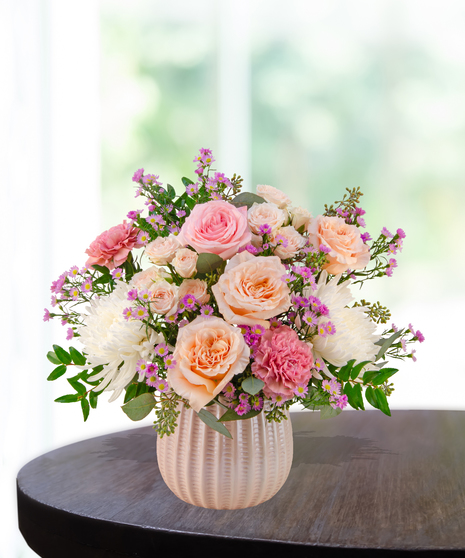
{"points": [[387, 343], [71, 398], [211, 421], [59, 371], [171, 191], [246, 199], [252, 385], [140, 407], [62, 355], [328, 412], [130, 392], [186, 181], [230, 414], [53, 358], [206, 263]]}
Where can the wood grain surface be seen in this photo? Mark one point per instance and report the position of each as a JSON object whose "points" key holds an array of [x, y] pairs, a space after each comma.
{"points": [[361, 484]]}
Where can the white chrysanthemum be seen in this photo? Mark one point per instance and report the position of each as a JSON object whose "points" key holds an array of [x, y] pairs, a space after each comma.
{"points": [[355, 332], [110, 340]]}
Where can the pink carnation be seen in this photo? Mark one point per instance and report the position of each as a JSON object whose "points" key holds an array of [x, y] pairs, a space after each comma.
{"points": [[112, 247], [282, 361]]}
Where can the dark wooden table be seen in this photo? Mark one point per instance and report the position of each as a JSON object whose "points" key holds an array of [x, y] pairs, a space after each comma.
{"points": [[361, 484]]}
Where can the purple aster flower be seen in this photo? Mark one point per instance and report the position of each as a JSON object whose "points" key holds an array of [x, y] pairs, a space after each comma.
{"points": [[323, 310], [335, 387], [46, 315], [281, 240], [278, 399], [138, 175], [117, 273], [161, 350], [171, 319], [127, 313], [229, 390], [141, 365], [189, 301], [257, 403], [206, 311], [314, 303], [183, 322], [413, 357], [145, 295], [180, 213], [301, 390], [74, 293], [394, 328], [322, 331], [251, 249], [419, 335], [132, 294], [243, 398], [162, 385], [58, 284], [169, 361], [53, 300], [403, 344], [140, 313], [143, 237], [361, 221], [386, 233], [274, 322], [73, 271], [365, 237], [401, 233], [257, 330], [152, 380], [242, 409], [86, 287], [265, 229], [310, 318], [69, 334], [330, 328], [288, 278], [326, 386], [192, 189], [325, 249]]}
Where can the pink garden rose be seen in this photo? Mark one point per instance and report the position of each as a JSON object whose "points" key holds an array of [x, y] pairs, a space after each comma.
{"points": [[216, 227], [162, 250], [208, 353], [273, 195], [112, 247], [185, 262], [194, 287], [282, 361], [266, 214], [163, 297], [295, 242], [347, 248], [251, 290]]}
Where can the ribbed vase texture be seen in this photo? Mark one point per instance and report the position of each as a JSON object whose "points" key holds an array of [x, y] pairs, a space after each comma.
{"points": [[207, 469]]}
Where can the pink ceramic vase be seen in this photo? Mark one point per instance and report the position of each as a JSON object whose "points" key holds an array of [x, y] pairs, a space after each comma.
{"points": [[207, 469]]}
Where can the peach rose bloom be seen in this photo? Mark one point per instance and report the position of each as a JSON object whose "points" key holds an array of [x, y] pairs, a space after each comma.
{"points": [[145, 279], [251, 291], [295, 242], [194, 287], [273, 195], [265, 214], [184, 262], [300, 217], [216, 227], [347, 248], [164, 297], [162, 250], [208, 353]]}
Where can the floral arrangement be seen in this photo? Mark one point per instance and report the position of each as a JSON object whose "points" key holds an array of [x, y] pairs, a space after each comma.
{"points": [[244, 301]]}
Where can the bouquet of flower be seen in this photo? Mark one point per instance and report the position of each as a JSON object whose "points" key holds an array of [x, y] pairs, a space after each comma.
{"points": [[243, 300]]}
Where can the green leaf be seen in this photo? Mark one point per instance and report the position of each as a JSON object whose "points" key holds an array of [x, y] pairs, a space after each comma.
{"points": [[381, 364], [59, 371], [386, 343], [71, 398], [344, 372], [382, 401], [190, 202], [371, 397], [246, 198], [328, 412], [357, 396], [383, 376], [207, 263], [211, 421], [357, 369], [140, 407], [104, 270], [130, 392], [186, 181], [62, 355], [96, 370], [77, 357], [93, 398], [80, 388], [231, 414], [53, 358], [171, 191], [252, 385], [85, 408]]}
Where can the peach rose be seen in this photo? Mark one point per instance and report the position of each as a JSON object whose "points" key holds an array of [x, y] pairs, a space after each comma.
{"points": [[216, 227], [251, 291], [162, 250], [208, 353], [145, 279], [265, 214], [112, 247], [164, 297], [295, 242], [347, 248], [300, 217], [185, 261], [194, 287], [273, 195]]}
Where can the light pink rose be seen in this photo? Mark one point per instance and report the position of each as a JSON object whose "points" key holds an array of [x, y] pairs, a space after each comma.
{"points": [[162, 250], [273, 195], [347, 248], [208, 353], [251, 291], [194, 287], [265, 214], [184, 262], [112, 247], [295, 242], [300, 218], [145, 279], [216, 227], [282, 361], [163, 299]]}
